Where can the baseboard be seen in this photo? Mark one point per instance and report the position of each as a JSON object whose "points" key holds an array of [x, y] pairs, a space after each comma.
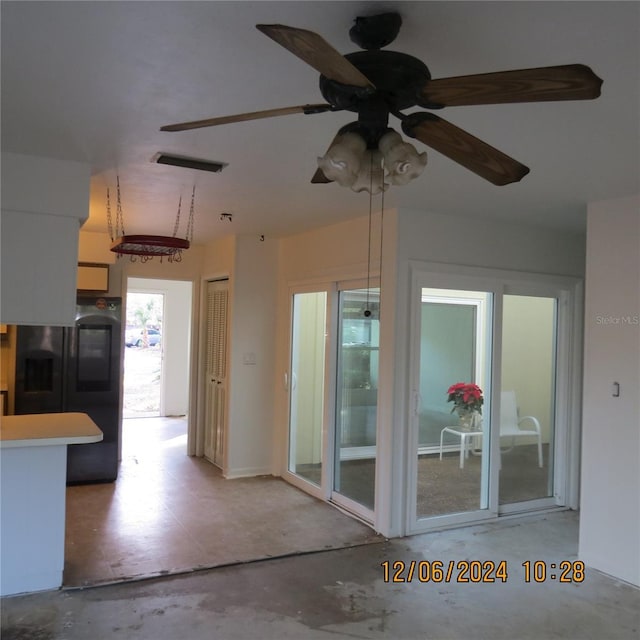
{"points": [[247, 472]]}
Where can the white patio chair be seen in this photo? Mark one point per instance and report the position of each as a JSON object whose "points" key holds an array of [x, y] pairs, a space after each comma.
{"points": [[510, 423]]}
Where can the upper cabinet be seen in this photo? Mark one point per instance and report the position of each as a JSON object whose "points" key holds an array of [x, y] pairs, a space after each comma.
{"points": [[44, 202]]}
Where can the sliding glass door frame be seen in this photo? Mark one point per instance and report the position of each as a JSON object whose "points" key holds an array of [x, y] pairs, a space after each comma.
{"points": [[322, 490], [565, 365], [330, 447], [447, 282], [340, 499], [568, 293]]}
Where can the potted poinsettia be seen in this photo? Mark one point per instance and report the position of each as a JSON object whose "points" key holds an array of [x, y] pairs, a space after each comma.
{"points": [[467, 402]]}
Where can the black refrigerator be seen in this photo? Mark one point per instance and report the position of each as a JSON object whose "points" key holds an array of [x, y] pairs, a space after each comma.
{"points": [[77, 369]]}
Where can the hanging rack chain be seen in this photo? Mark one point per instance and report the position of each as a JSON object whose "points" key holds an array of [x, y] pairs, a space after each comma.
{"points": [[189, 233], [119, 216], [175, 227], [109, 219], [189, 230]]}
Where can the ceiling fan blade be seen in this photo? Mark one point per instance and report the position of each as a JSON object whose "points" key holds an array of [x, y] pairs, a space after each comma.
{"points": [[253, 115], [463, 148], [568, 82], [317, 52], [320, 178]]}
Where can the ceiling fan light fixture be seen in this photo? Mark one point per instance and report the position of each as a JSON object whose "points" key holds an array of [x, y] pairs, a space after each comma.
{"points": [[401, 159], [344, 158], [371, 175]]}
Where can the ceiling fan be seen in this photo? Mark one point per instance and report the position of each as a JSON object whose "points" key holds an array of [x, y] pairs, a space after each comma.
{"points": [[375, 84]]}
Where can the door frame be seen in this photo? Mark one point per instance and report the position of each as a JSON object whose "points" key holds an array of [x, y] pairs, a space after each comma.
{"points": [[323, 490], [191, 369]]}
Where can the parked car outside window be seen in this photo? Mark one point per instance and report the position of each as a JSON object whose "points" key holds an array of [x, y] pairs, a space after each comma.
{"points": [[135, 337]]}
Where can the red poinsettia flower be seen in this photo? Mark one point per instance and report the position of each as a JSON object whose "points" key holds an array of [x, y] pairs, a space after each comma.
{"points": [[457, 386], [466, 397]]}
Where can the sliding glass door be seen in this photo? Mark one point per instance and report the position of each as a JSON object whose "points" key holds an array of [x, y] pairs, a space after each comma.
{"points": [[306, 383], [451, 461], [356, 399], [527, 399], [501, 349], [486, 396], [332, 382]]}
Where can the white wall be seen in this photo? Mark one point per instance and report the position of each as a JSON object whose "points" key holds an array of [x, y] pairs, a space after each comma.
{"points": [[435, 237], [610, 504], [253, 293], [335, 252]]}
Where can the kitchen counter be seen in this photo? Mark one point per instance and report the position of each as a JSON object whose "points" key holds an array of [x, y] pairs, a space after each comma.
{"points": [[33, 476], [46, 429]]}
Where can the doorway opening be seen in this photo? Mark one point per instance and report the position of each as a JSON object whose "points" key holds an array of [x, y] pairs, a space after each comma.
{"points": [[157, 359], [143, 355]]}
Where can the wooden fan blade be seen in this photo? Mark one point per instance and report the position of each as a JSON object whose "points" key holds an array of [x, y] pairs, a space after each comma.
{"points": [[253, 115], [568, 82], [463, 148], [320, 178], [317, 52]]}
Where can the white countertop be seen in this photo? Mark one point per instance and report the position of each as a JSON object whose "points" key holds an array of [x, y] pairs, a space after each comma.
{"points": [[48, 429]]}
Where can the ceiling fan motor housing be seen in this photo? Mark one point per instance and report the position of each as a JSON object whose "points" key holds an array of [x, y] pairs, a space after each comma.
{"points": [[398, 78]]}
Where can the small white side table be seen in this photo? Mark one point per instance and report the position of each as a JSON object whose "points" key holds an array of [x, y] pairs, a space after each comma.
{"points": [[465, 440]]}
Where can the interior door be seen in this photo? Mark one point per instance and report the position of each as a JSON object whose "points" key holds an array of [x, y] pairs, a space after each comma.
{"points": [[216, 370]]}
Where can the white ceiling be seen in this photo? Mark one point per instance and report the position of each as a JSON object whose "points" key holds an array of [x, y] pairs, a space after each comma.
{"points": [[95, 81]]}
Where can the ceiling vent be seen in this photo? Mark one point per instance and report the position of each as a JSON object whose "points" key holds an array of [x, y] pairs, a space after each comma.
{"points": [[189, 163]]}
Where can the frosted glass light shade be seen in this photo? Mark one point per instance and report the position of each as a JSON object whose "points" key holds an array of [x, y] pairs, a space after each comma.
{"points": [[401, 159], [343, 159], [371, 167]]}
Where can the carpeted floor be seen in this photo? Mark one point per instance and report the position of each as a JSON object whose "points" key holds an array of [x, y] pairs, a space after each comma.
{"points": [[445, 488]]}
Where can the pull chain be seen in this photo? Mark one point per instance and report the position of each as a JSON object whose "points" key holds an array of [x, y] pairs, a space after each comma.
{"points": [[367, 310]]}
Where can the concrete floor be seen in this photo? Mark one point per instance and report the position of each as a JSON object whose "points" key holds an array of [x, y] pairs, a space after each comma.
{"points": [[343, 594], [169, 513]]}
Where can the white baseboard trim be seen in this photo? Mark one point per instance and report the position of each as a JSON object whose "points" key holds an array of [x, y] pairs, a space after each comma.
{"points": [[247, 472]]}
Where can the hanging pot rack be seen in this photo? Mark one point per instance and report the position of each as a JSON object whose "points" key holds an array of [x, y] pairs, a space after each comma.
{"points": [[145, 246]]}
